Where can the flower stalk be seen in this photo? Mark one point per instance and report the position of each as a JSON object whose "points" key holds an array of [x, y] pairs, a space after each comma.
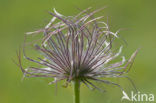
{"points": [[76, 91]]}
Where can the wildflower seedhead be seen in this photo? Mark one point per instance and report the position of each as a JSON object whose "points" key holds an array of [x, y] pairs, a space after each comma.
{"points": [[77, 48]]}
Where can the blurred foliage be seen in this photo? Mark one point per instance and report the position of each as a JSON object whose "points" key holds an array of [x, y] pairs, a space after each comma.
{"points": [[20, 16]]}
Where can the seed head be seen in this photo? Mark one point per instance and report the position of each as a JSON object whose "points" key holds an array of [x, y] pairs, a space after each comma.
{"points": [[77, 47]]}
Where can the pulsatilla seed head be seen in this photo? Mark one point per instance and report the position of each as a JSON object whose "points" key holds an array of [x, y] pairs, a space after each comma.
{"points": [[77, 47]]}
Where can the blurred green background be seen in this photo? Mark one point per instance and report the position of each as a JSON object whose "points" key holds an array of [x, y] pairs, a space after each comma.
{"points": [[20, 16]]}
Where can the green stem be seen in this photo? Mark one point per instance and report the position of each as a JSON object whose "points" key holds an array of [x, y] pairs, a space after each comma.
{"points": [[76, 91]]}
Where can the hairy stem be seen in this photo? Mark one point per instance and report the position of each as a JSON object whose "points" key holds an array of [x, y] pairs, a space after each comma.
{"points": [[76, 91]]}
